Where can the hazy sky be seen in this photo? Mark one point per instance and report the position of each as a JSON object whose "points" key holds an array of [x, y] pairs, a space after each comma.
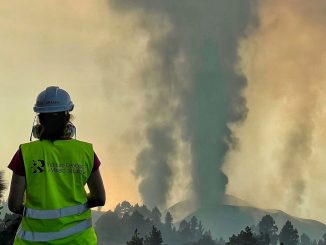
{"points": [[63, 43], [280, 160], [101, 54]]}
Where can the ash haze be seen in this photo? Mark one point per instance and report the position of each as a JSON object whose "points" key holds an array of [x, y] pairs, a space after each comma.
{"points": [[180, 98], [280, 159]]}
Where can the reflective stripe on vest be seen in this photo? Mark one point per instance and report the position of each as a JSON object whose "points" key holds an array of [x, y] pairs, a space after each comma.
{"points": [[48, 236], [55, 213]]}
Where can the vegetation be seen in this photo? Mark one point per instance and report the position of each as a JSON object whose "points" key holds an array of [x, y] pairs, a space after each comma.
{"points": [[10, 223], [2, 188], [137, 225], [150, 227], [289, 235], [2, 184], [245, 237], [268, 227], [8, 228], [136, 240], [147, 228]]}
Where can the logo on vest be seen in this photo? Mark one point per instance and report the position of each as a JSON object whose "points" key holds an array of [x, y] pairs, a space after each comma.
{"points": [[38, 166], [67, 168]]}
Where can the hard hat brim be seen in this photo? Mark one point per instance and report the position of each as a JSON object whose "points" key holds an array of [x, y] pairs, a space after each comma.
{"points": [[51, 109]]}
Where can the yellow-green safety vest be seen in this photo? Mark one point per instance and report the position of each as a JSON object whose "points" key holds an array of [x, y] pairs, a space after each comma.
{"points": [[55, 200]]}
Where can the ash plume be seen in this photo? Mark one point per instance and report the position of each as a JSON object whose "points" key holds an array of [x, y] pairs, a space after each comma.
{"points": [[192, 88], [153, 166]]}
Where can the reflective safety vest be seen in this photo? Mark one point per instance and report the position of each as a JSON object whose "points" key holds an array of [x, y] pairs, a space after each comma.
{"points": [[55, 201]]}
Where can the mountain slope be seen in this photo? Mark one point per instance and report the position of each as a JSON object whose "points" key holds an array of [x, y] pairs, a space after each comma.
{"points": [[226, 220]]}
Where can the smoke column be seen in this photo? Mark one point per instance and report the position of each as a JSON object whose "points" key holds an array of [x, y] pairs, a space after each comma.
{"points": [[282, 142], [192, 91]]}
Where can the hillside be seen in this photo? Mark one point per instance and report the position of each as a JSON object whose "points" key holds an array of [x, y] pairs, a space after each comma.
{"points": [[234, 215], [222, 220]]}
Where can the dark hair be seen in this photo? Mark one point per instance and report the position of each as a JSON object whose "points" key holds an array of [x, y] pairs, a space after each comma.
{"points": [[53, 125]]}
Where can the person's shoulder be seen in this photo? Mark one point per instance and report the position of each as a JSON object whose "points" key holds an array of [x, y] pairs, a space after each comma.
{"points": [[30, 143]]}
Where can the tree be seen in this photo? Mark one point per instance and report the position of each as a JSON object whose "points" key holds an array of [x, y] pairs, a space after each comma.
{"points": [[137, 221], [168, 221], [245, 237], [206, 239], [2, 184], [154, 238], [12, 222], [289, 235], [2, 187], [1, 207], [109, 226], [263, 239], [305, 239], [193, 224], [323, 240], [185, 231], [143, 210], [196, 228], [267, 226], [123, 208], [200, 229], [135, 239], [156, 216]]}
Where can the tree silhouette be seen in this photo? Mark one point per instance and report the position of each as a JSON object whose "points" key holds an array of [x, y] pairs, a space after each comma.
{"points": [[135, 239], [137, 221], [245, 237], [289, 235], [267, 226], [185, 231], [156, 216], [196, 228], [2, 188], [2, 184], [168, 221], [323, 240], [154, 238], [123, 208], [263, 239], [143, 210], [12, 222], [110, 226], [305, 239], [206, 239]]}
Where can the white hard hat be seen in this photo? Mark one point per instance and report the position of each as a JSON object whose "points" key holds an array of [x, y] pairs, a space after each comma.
{"points": [[53, 99]]}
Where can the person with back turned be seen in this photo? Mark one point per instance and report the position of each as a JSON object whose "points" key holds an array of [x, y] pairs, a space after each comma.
{"points": [[49, 176]]}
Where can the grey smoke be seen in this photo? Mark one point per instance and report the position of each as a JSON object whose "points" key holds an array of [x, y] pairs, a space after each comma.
{"points": [[206, 34], [153, 166]]}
